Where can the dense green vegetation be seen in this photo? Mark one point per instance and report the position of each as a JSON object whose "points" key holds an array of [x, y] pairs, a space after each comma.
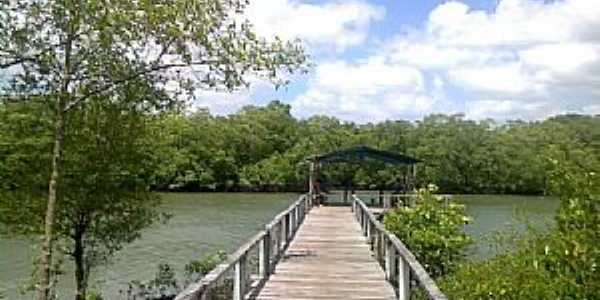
{"points": [[264, 148], [560, 264], [166, 285], [432, 228]]}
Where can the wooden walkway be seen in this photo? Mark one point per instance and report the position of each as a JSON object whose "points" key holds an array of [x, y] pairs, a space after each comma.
{"points": [[318, 253], [329, 258]]}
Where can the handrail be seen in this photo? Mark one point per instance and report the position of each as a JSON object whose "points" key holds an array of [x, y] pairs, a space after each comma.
{"points": [[389, 200], [398, 262], [271, 243]]}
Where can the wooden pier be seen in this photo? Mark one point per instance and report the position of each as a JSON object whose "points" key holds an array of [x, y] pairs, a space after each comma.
{"points": [[318, 253], [328, 259]]}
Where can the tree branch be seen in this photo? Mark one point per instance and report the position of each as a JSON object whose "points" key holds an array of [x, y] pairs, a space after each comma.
{"points": [[17, 61], [113, 84]]}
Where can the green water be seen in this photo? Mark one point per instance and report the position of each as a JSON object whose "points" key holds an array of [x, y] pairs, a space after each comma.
{"points": [[205, 223], [201, 224], [493, 213]]}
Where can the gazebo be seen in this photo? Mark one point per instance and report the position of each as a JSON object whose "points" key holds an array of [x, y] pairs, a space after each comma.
{"points": [[355, 155]]}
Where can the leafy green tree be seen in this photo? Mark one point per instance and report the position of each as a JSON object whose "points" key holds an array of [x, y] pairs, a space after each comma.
{"points": [[68, 52], [105, 185]]}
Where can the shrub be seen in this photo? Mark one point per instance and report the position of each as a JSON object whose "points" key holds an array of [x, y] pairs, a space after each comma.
{"points": [[165, 285], [432, 229], [563, 264]]}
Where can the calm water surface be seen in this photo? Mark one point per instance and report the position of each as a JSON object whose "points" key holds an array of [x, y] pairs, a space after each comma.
{"points": [[201, 224], [205, 223], [494, 213]]}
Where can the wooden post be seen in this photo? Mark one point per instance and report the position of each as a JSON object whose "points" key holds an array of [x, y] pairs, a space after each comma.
{"points": [[264, 253], [288, 220], [292, 226], [311, 180], [380, 244], [390, 261], [403, 279], [239, 281], [283, 231], [372, 236], [296, 218], [368, 229], [205, 295], [314, 188], [278, 234]]}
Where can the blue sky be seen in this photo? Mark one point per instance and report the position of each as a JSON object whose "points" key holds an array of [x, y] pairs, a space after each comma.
{"points": [[400, 59]]}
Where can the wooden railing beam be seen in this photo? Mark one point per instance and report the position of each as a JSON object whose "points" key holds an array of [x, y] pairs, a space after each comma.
{"points": [[271, 243], [399, 262]]}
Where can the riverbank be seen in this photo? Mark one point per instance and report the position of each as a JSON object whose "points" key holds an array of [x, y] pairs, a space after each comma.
{"points": [[203, 223]]}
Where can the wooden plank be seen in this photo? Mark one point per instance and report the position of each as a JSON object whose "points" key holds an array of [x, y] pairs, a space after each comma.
{"points": [[328, 259]]}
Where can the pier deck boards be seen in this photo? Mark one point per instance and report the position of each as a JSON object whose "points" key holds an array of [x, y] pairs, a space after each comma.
{"points": [[329, 258]]}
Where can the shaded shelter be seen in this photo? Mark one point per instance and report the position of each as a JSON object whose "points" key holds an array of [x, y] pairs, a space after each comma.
{"points": [[354, 155]]}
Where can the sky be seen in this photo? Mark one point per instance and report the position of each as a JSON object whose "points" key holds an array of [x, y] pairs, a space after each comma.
{"points": [[378, 60]]}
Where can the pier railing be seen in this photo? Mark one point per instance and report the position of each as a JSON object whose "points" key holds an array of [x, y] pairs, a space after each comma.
{"points": [[401, 267], [379, 199], [244, 272]]}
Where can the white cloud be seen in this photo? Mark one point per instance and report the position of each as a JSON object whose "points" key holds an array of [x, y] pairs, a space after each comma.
{"points": [[524, 59], [368, 91], [562, 57], [538, 58], [330, 27], [222, 103], [500, 109], [514, 22], [510, 79], [335, 25]]}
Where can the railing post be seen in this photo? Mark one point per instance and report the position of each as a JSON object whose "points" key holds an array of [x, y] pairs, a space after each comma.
{"points": [[282, 233], [368, 230], [403, 280], [264, 255], [278, 234], [205, 295], [287, 220], [292, 225], [294, 220], [239, 281], [364, 221], [390, 261], [379, 248]]}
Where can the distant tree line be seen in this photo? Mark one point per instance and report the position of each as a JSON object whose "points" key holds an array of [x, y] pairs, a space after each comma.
{"points": [[265, 149]]}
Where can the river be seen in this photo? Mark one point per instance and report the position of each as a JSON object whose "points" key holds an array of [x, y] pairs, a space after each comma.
{"points": [[205, 223]]}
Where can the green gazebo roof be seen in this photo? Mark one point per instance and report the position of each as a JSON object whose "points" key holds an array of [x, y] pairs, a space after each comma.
{"points": [[362, 153]]}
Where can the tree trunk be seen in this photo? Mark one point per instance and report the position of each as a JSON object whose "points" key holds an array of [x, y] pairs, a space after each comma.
{"points": [[80, 270], [57, 157]]}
